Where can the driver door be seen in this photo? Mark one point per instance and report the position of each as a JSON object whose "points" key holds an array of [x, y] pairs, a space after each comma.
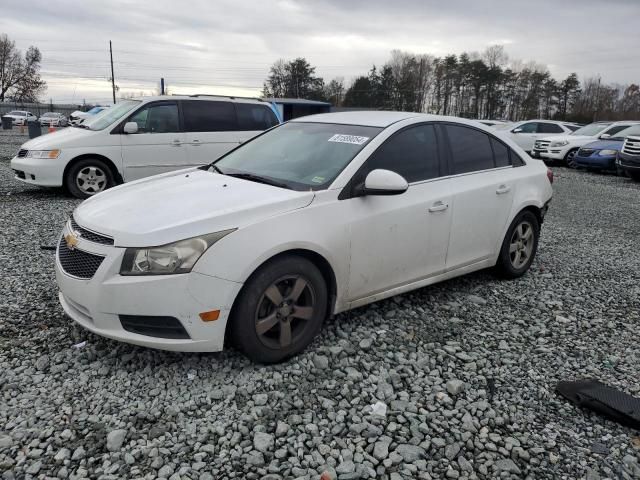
{"points": [[158, 146], [399, 239]]}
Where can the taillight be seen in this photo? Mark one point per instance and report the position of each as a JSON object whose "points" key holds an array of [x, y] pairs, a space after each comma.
{"points": [[550, 175]]}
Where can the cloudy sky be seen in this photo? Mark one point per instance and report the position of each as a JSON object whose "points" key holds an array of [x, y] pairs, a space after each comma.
{"points": [[227, 46]]}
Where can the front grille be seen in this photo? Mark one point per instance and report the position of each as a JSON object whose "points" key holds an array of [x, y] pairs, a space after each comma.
{"points": [[541, 144], [89, 235], [585, 152], [78, 263], [161, 327], [22, 153], [631, 146]]}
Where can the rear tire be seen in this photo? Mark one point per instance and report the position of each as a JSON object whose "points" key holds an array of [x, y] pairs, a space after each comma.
{"points": [[88, 177], [570, 158], [634, 175], [519, 246], [279, 310]]}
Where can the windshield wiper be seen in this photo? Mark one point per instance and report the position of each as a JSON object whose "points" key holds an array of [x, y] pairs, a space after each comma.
{"points": [[257, 178], [216, 169]]}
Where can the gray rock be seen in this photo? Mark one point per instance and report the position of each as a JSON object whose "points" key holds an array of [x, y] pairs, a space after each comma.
{"points": [[506, 465], [282, 429], [62, 455], [345, 467], [455, 387], [476, 299], [321, 362], [381, 450], [255, 458], [451, 451], [115, 439], [42, 363], [260, 399], [263, 442], [410, 453], [78, 454]]}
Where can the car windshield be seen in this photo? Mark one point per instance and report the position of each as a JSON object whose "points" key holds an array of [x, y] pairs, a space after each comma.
{"points": [[299, 155], [592, 129], [95, 110], [622, 134], [110, 115]]}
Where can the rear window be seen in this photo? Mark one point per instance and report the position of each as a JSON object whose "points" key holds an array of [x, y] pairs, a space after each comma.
{"points": [[470, 149], [209, 116], [255, 117]]}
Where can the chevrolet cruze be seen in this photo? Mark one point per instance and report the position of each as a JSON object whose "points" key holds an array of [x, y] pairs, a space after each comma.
{"points": [[311, 218]]}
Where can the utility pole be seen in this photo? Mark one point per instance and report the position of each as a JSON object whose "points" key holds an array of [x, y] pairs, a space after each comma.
{"points": [[113, 80], [595, 113], [162, 86]]}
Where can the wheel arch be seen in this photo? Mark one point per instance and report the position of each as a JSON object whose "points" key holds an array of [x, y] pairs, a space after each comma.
{"points": [[112, 166]]}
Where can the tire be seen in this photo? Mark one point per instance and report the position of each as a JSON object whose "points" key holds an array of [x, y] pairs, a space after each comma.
{"points": [[279, 310], [569, 158], [635, 175], [88, 177], [620, 171], [511, 263]]}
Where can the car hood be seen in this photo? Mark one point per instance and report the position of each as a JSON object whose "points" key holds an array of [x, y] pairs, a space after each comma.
{"points": [[59, 139], [605, 145], [171, 207]]}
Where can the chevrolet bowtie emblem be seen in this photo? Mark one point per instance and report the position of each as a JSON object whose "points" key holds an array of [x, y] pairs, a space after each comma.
{"points": [[72, 240]]}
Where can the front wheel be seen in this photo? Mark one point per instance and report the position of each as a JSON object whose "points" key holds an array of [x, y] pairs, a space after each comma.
{"points": [[519, 246], [87, 177], [570, 158], [279, 310]]}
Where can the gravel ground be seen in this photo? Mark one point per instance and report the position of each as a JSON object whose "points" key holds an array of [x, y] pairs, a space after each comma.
{"points": [[466, 369]]}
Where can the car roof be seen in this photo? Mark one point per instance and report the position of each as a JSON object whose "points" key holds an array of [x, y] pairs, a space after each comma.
{"points": [[202, 97], [367, 118]]}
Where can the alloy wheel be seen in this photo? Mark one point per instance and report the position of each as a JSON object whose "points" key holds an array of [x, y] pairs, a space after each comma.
{"points": [[91, 180], [571, 159], [521, 244], [284, 311]]}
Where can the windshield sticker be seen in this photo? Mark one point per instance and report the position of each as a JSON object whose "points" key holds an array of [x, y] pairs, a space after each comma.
{"points": [[353, 139], [317, 179]]}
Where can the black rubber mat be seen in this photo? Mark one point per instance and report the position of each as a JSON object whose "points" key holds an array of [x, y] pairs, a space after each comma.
{"points": [[600, 398]]}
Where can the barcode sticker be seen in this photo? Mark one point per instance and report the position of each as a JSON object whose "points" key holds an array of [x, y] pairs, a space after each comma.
{"points": [[353, 139]]}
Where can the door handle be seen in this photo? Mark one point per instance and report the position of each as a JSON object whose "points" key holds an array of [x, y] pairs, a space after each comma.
{"points": [[502, 189], [438, 207], [176, 143], [196, 143]]}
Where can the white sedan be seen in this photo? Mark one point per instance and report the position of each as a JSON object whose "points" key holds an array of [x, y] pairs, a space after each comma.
{"points": [[311, 218]]}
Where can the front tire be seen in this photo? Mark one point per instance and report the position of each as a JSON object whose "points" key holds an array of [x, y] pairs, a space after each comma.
{"points": [[570, 158], [519, 246], [88, 177], [279, 310]]}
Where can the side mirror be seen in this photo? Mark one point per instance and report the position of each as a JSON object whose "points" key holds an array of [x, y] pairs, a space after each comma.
{"points": [[131, 127], [516, 130], [604, 136], [384, 182]]}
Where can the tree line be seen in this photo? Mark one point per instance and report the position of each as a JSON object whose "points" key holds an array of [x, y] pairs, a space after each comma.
{"points": [[19, 74], [472, 85]]}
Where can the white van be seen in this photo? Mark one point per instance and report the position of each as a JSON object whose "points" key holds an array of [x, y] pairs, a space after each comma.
{"points": [[138, 138]]}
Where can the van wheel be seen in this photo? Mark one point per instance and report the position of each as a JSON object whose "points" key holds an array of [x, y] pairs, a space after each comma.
{"points": [[279, 310], [87, 177], [519, 246]]}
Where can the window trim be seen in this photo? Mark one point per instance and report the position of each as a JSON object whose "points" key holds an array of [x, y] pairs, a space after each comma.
{"points": [[348, 191], [119, 128]]}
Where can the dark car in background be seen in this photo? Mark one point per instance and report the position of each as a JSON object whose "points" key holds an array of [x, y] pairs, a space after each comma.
{"points": [[602, 154]]}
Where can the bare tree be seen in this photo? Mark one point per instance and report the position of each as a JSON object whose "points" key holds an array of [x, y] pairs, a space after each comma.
{"points": [[19, 76]]}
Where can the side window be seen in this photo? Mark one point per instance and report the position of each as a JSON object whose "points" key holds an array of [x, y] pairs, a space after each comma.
{"points": [[412, 153], [161, 118], [470, 149], [613, 130], [209, 116], [531, 127], [255, 117], [500, 153], [549, 128]]}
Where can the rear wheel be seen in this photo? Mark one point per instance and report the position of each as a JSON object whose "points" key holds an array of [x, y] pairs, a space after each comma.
{"points": [[87, 177], [570, 158], [279, 310], [519, 246]]}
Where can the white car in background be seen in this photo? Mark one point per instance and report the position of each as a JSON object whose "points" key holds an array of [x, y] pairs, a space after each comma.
{"points": [[314, 217], [138, 138], [527, 132], [564, 147], [53, 119], [79, 116], [21, 117]]}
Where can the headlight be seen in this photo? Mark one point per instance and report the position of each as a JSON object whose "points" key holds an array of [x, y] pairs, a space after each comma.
{"points": [[607, 153], [43, 153], [559, 143], [178, 257]]}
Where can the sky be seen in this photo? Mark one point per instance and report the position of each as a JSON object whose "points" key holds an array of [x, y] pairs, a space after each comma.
{"points": [[227, 46]]}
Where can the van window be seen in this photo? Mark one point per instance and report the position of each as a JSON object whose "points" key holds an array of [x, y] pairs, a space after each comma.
{"points": [[255, 117], [209, 116], [161, 118]]}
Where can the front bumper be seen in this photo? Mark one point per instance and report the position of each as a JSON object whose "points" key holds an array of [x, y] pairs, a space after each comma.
{"points": [[548, 153], [97, 303], [628, 162], [46, 172], [596, 161]]}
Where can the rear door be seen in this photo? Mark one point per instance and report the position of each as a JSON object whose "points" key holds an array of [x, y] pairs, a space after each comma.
{"points": [[211, 129], [482, 185], [157, 147]]}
